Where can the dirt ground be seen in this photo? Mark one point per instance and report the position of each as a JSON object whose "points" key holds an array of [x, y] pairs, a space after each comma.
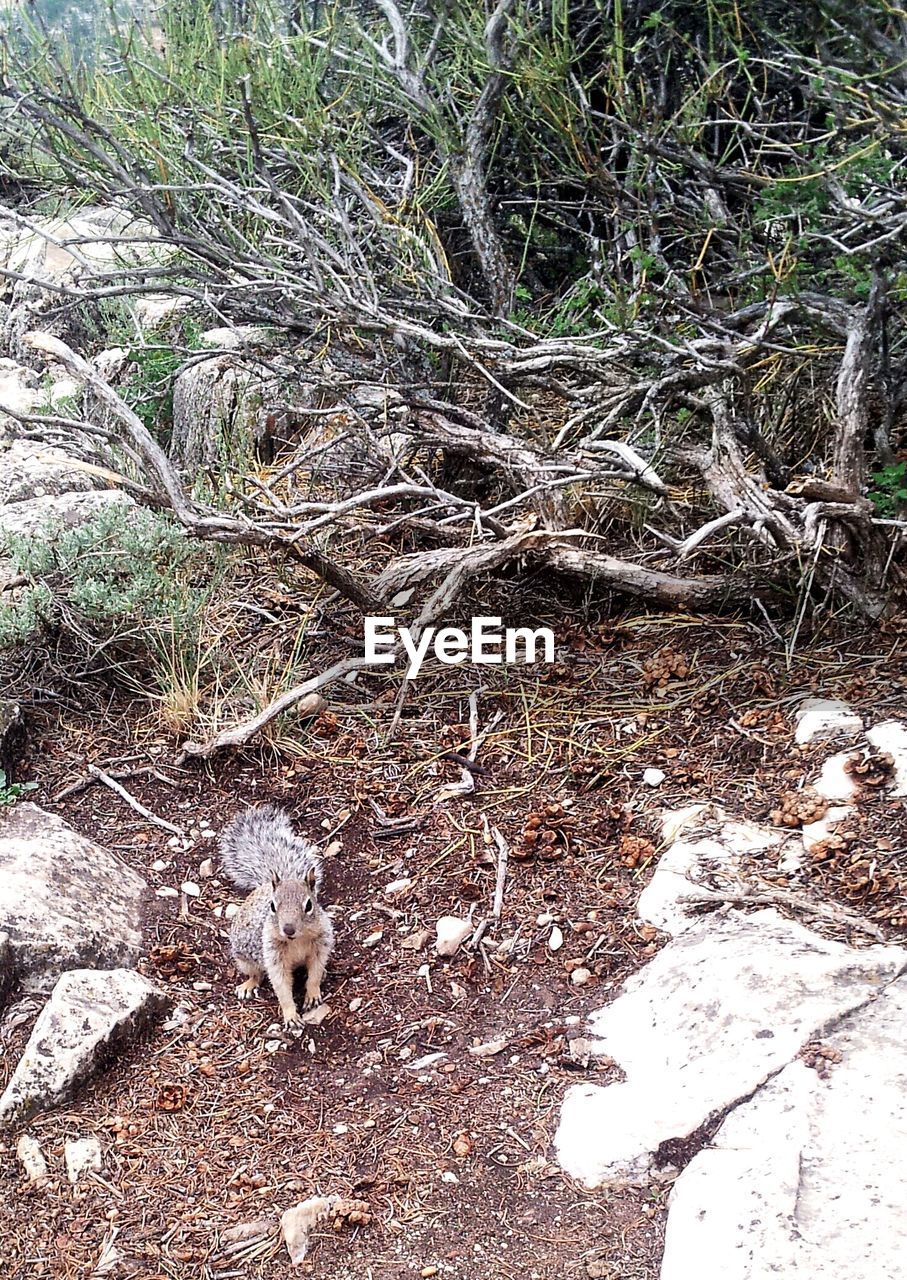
{"points": [[218, 1119]]}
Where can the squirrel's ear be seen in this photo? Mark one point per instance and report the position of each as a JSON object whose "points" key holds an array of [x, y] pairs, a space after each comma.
{"points": [[311, 877], [275, 879]]}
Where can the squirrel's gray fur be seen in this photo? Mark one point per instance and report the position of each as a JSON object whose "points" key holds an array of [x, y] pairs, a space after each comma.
{"points": [[280, 925], [261, 843]]}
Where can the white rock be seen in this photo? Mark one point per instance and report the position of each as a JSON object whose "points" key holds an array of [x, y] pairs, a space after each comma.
{"points": [[397, 887], [190, 889], [64, 901], [230, 910], [690, 860], [355, 1004], [31, 1157], [555, 939], [90, 1013], [653, 777], [581, 977], [206, 869], [815, 832], [677, 820], [82, 1155], [159, 865], [450, 933], [167, 891], [818, 718], [834, 783], [719, 1010], [814, 1168], [891, 736], [373, 939], [58, 511], [296, 1223]]}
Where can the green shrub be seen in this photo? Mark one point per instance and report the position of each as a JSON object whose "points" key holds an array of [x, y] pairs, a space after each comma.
{"points": [[126, 577]]}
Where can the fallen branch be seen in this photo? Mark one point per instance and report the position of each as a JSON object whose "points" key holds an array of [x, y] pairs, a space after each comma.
{"points": [[304, 697], [132, 802]]}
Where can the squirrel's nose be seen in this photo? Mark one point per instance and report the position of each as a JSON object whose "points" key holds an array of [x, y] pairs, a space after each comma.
{"points": [[290, 930]]}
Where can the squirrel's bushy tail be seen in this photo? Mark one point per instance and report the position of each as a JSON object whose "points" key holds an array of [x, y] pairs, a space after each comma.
{"points": [[259, 842]]}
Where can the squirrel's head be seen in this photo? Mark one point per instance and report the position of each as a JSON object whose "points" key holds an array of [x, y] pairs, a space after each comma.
{"points": [[293, 903]]}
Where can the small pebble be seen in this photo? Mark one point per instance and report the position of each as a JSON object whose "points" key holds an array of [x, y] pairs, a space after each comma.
{"points": [[653, 777], [373, 938], [166, 891], [206, 869], [160, 865], [190, 889], [580, 977]]}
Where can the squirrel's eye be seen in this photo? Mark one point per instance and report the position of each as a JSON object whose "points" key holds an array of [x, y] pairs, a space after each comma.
{"points": [[309, 906], [274, 907]]}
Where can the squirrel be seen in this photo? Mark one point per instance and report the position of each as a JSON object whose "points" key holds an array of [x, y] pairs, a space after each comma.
{"points": [[280, 925]]}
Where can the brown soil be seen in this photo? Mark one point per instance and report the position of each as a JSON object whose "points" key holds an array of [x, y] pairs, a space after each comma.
{"points": [[218, 1119]]}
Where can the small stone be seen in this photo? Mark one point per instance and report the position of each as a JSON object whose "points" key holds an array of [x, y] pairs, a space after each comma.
{"points": [[202, 986], [316, 1016], [545, 918], [230, 910], [556, 939], [428, 1271], [397, 887], [31, 1157], [166, 891], [355, 1004], [416, 940], [581, 977], [819, 718], [82, 1155], [653, 777], [206, 869], [190, 889], [373, 939], [159, 865], [451, 933]]}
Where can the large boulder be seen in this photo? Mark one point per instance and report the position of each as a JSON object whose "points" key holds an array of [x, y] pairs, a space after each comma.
{"points": [[89, 1016], [30, 470], [65, 901], [57, 511], [806, 1180], [220, 409], [720, 1010]]}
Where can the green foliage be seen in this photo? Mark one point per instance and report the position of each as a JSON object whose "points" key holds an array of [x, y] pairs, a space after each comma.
{"points": [[890, 491], [149, 388], [126, 572], [10, 792]]}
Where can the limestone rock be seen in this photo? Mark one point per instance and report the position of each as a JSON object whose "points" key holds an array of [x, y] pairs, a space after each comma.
{"points": [[720, 1010], [706, 841], [31, 252], [90, 1014], [806, 1180], [451, 932], [219, 405], [240, 337], [66, 510], [819, 718], [31, 1157], [81, 1155], [29, 470], [65, 901]]}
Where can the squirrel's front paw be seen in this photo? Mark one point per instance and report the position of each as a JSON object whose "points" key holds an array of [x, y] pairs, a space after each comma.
{"points": [[312, 1001], [246, 990], [291, 1020]]}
